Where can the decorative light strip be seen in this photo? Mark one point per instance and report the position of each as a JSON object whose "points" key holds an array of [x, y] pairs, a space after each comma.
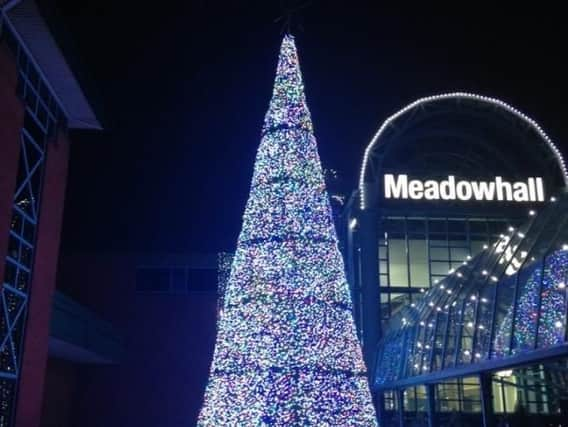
{"points": [[457, 95]]}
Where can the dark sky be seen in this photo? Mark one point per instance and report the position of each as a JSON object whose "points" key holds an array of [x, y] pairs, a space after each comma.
{"points": [[182, 89]]}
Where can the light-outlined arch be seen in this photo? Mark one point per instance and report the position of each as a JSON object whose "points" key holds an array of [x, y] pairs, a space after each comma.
{"points": [[457, 95]]}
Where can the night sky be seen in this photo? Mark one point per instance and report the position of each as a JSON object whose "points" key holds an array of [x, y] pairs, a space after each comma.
{"points": [[182, 89]]}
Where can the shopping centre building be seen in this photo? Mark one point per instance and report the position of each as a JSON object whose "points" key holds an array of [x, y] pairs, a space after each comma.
{"points": [[457, 253]]}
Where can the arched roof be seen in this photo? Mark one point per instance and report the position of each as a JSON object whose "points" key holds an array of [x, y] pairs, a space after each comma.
{"points": [[392, 120]]}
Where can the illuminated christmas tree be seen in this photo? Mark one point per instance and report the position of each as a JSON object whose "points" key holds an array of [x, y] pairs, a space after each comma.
{"points": [[287, 352]]}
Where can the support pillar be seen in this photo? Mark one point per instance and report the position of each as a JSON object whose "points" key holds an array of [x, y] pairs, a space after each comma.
{"points": [[486, 396], [431, 402], [370, 287], [34, 360]]}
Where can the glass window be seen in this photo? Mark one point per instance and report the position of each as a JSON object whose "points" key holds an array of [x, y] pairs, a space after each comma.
{"points": [[385, 307], [398, 301], [398, 262], [153, 280], [202, 279], [459, 253], [460, 395], [552, 318], [419, 271]]}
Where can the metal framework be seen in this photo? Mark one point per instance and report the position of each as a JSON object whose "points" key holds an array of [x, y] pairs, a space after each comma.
{"points": [[42, 116], [435, 244], [504, 308]]}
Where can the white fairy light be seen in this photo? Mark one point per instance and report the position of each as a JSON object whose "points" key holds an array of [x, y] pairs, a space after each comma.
{"points": [[457, 95]]}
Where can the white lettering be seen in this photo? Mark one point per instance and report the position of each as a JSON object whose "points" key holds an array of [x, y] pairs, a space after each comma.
{"points": [[463, 190], [431, 190], [448, 189], [396, 190], [399, 187], [415, 189], [483, 190], [520, 192], [540, 189]]}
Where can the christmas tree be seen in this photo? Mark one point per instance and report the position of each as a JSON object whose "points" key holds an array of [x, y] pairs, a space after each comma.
{"points": [[287, 353]]}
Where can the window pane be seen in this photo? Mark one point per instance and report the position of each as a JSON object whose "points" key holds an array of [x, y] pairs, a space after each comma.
{"points": [[202, 280], [153, 280], [418, 263], [398, 265]]}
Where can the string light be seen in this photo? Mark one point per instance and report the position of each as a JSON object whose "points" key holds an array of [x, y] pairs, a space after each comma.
{"points": [[457, 95], [540, 304], [287, 351]]}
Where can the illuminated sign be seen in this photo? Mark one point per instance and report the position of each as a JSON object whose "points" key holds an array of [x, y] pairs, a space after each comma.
{"points": [[400, 187]]}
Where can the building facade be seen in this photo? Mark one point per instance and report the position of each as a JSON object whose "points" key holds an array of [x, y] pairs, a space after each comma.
{"points": [[164, 306], [446, 181], [40, 101]]}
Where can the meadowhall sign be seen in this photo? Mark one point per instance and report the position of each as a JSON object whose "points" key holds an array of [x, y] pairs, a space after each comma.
{"points": [[400, 187]]}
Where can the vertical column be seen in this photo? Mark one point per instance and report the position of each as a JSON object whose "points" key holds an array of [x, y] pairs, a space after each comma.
{"points": [[486, 396], [11, 120], [370, 287], [400, 406], [431, 401], [35, 349]]}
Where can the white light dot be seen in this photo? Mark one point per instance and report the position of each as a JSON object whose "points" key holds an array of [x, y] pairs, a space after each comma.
{"points": [[558, 324], [553, 199], [561, 285], [485, 247], [470, 324], [532, 213]]}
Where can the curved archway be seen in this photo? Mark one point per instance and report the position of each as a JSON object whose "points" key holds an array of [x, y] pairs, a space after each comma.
{"points": [[457, 95]]}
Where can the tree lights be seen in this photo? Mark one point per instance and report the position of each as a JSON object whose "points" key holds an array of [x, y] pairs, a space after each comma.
{"points": [[287, 352]]}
